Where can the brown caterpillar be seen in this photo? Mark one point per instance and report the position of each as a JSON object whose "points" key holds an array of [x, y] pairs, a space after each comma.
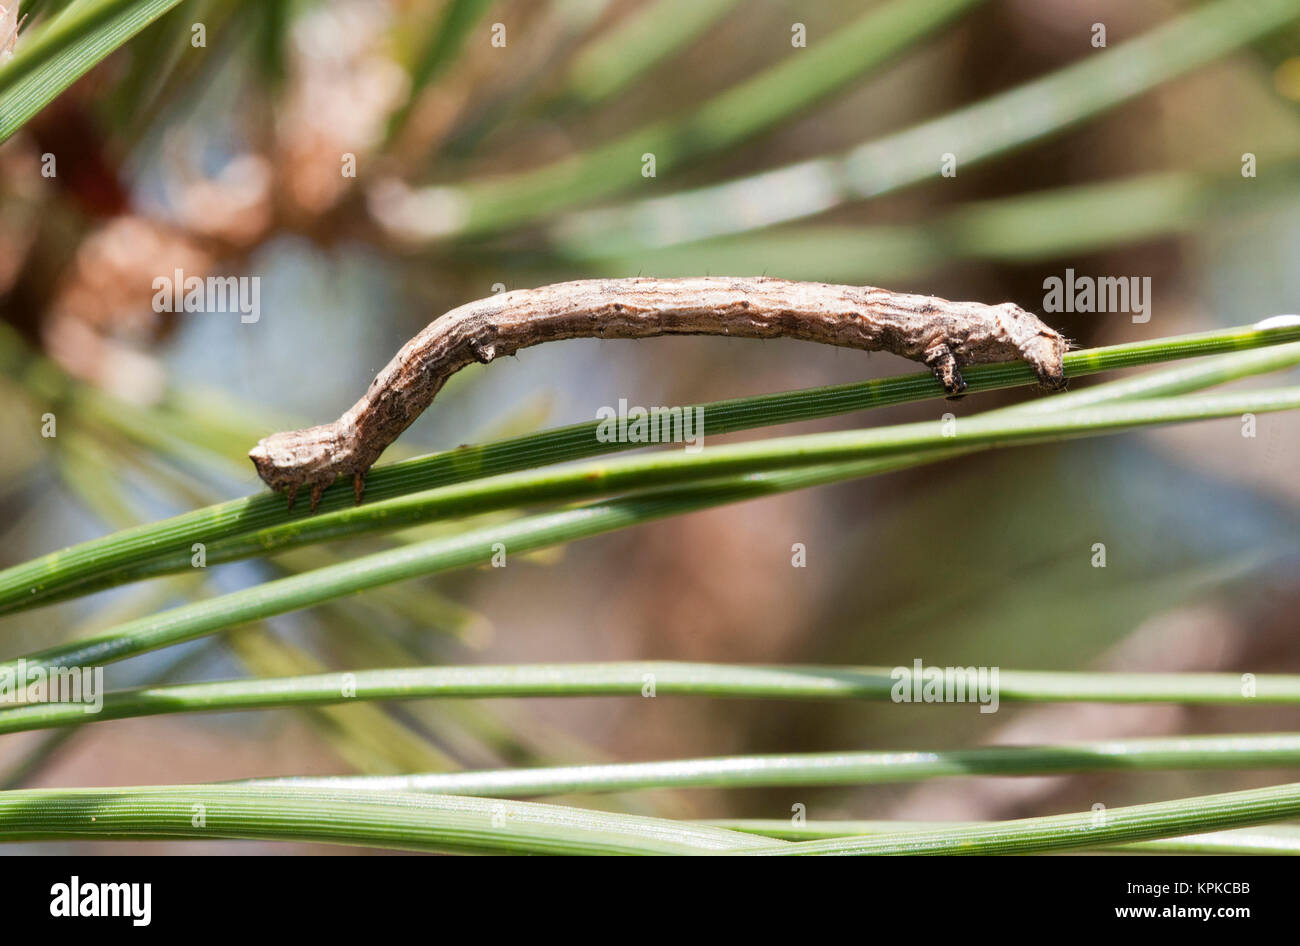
{"points": [[944, 335]]}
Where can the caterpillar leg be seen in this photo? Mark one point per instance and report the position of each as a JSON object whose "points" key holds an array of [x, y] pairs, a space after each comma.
{"points": [[940, 359]]}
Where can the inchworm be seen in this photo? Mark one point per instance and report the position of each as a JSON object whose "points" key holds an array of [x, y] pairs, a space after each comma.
{"points": [[944, 335]]}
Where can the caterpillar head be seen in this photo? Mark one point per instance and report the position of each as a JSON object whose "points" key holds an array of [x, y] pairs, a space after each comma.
{"points": [[288, 461]]}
